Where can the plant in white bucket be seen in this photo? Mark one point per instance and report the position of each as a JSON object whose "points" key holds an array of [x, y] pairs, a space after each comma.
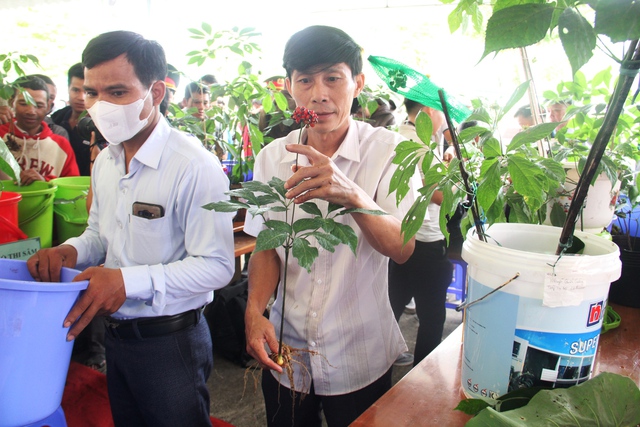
{"points": [[532, 272]]}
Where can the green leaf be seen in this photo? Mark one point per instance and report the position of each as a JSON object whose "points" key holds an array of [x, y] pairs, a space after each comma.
{"points": [[424, 127], [577, 36], [278, 185], [376, 212], [517, 26], [281, 101], [491, 183], [605, 400], [414, 218], [492, 148], [327, 241], [333, 207], [346, 235], [257, 186], [196, 32], [270, 239], [515, 97], [206, 27], [558, 215], [531, 135], [225, 206], [311, 208], [8, 163], [281, 227], [303, 224], [527, 180], [471, 406], [304, 253], [618, 19]]}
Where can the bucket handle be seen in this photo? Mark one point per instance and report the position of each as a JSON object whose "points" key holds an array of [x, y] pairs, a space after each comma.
{"points": [[469, 304], [38, 212], [71, 201], [13, 228]]}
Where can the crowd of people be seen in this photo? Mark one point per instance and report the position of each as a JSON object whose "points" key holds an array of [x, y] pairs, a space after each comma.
{"points": [[153, 256]]}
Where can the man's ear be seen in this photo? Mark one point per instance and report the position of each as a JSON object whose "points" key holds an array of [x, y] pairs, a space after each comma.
{"points": [[359, 79], [158, 89]]}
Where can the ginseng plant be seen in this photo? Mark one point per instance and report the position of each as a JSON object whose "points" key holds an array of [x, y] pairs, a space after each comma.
{"points": [[293, 235]]}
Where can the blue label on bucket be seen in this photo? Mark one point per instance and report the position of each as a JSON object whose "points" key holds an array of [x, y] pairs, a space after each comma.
{"points": [[512, 342]]}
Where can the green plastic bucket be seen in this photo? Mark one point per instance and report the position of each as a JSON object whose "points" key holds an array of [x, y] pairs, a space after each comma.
{"points": [[70, 206], [35, 210]]}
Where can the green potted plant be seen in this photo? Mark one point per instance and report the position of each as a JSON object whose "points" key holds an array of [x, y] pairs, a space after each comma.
{"points": [[585, 111], [232, 128]]}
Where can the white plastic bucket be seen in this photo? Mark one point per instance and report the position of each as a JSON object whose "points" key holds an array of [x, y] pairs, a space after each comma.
{"points": [[34, 351], [540, 329]]}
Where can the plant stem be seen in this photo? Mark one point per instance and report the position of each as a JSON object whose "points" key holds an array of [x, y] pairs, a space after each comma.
{"points": [[284, 293], [630, 63], [473, 201]]}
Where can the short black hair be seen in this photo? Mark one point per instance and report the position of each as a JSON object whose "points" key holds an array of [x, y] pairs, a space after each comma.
{"points": [[321, 45], [524, 111], [33, 83], [412, 106], [76, 70], [46, 79], [195, 87], [209, 79], [147, 56]]}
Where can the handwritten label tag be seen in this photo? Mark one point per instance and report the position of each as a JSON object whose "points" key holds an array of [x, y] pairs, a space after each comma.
{"points": [[563, 291]]}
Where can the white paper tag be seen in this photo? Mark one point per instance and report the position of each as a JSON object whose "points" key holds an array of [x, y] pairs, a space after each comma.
{"points": [[563, 291]]}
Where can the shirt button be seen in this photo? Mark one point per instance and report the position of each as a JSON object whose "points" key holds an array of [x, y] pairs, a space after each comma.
{"points": [[314, 314], [120, 225], [319, 281], [312, 343]]}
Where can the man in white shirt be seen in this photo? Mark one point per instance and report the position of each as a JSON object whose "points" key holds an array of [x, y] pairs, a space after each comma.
{"points": [[163, 254], [341, 308]]}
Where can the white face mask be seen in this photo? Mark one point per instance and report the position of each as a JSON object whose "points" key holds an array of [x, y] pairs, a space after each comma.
{"points": [[118, 123]]}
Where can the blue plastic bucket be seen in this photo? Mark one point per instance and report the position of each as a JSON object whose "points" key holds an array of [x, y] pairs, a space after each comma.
{"points": [[34, 352], [541, 329]]}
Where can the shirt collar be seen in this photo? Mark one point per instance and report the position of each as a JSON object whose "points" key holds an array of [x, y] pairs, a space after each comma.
{"points": [[349, 149], [150, 152]]}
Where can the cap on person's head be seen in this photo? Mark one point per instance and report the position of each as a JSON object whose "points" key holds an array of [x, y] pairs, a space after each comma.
{"points": [[321, 45], [276, 81], [173, 74], [171, 85]]}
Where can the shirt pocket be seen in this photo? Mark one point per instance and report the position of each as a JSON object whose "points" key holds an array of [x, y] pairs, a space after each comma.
{"points": [[150, 240]]}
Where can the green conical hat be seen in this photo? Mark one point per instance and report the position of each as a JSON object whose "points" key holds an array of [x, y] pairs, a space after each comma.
{"points": [[416, 86]]}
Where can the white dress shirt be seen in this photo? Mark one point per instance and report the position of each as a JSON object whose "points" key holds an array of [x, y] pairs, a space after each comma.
{"points": [[170, 264], [341, 309]]}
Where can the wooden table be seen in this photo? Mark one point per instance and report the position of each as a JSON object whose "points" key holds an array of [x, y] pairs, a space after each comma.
{"points": [[242, 244], [427, 395]]}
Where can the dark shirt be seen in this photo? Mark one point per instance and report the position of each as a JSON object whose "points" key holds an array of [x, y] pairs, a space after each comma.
{"points": [[80, 147]]}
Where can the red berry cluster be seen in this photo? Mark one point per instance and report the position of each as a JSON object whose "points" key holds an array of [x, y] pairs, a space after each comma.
{"points": [[305, 116]]}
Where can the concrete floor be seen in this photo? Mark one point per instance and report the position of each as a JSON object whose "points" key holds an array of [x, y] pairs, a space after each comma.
{"points": [[235, 400]]}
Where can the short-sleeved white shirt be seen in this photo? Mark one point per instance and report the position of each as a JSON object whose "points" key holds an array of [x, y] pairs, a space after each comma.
{"points": [[341, 309]]}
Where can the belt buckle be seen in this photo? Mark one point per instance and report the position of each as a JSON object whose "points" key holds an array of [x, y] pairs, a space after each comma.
{"points": [[110, 323]]}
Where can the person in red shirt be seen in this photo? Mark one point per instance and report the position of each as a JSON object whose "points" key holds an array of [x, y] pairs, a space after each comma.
{"points": [[42, 155]]}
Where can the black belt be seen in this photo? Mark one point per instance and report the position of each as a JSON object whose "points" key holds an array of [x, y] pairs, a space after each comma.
{"points": [[149, 327]]}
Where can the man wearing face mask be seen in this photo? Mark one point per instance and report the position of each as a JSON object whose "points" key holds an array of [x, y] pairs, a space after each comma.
{"points": [[163, 254]]}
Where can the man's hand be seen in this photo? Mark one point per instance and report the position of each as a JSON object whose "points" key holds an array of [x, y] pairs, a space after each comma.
{"points": [[259, 331], [30, 175], [449, 154], [45, 265], [321, 180], [105, 295], [6, 115]]}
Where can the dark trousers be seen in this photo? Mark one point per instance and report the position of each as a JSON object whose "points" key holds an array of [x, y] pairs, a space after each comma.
{"points": [[160, 381], [305, 411], [424, 277]]}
